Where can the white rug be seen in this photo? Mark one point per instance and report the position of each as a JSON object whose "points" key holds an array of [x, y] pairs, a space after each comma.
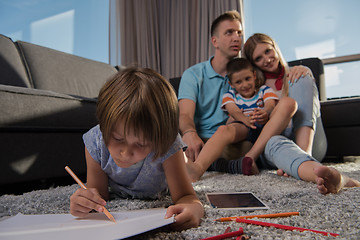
{"points": [[336, 213]]}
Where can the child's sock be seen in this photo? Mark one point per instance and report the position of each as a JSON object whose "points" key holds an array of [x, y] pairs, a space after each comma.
{"points": [[246, 166], [238, 166], [220, 165]]}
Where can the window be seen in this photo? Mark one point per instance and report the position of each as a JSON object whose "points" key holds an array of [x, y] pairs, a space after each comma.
{"points": [[79, 27], [322, 28]]}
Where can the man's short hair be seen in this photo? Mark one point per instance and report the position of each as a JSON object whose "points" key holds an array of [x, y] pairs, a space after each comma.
{"points": [[232, 15]]}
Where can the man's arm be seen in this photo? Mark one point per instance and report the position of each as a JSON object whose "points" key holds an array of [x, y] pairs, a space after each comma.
{"points": [[188, 130]]}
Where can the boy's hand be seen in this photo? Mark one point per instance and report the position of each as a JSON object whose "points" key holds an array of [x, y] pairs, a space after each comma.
{"points": [[250, 121], [259, 116], [85, 200], [188, 215]]}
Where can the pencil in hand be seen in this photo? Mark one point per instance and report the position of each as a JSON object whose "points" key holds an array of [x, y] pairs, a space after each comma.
{"points": [[82, 185]]}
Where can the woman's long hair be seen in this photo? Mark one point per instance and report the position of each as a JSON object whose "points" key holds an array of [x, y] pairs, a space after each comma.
{"points": [[248, 52]]}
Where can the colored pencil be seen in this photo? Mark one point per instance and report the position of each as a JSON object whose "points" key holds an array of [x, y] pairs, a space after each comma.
{"points": [[266, 224], [82, 185], [228, 229], [272, 215], [226, 235]]}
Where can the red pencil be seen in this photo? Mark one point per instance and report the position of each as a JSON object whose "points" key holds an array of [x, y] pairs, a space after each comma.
{"points": [[266, 224], [226, 235], [228, 229], [272, 215]]}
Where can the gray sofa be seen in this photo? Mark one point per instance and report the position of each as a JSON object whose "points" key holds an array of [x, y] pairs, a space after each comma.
{"points": [[48, 100]]}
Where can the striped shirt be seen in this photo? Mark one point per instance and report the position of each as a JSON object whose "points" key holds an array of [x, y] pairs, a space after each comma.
{"points": [[249, 104]]}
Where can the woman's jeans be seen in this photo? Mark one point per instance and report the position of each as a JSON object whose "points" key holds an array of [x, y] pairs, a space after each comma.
{"points": [[281, 151]]}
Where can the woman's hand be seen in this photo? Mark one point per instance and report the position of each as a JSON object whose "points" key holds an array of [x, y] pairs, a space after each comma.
{"points": [[85, 200], [187, 215], [297, 72]]}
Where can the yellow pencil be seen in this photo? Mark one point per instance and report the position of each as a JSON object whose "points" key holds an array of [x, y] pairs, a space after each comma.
{"points": [[272, 215], [107, 213]]}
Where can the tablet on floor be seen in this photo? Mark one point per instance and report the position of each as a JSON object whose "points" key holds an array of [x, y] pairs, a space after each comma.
{"points": [[246, 201]]}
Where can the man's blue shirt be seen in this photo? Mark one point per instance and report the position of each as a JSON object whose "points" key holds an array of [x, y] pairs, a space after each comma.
{"points": [[201, 84]]}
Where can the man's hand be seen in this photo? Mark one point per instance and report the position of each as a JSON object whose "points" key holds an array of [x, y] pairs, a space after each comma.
{"points": [[194, 143]]}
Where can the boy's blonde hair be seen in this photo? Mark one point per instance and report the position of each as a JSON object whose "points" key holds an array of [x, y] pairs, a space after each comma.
{"points": [[248, 52], [146, 104]]}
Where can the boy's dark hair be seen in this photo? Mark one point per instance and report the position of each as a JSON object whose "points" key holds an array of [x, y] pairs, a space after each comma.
{"points": [[229, 15], [239, 64]]}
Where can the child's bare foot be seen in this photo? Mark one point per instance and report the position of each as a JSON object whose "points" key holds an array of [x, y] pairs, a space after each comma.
{"points": [[329, 180], [194, 171], [281, 172]]}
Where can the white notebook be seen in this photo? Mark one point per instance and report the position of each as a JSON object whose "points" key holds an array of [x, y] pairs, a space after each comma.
{"points": [[95, 226]]}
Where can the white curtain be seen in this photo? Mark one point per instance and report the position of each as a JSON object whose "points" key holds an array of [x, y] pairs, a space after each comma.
{"points": [[166, 35]]}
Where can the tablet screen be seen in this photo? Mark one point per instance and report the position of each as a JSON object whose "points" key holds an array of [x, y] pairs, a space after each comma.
{"points": [[241, 200]]}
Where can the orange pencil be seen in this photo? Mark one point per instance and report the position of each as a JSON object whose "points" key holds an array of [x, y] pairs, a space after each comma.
{"points": [[272, 215], [82, 185]]}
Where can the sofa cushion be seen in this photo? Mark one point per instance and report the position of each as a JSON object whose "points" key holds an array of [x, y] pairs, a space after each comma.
{"points": [[341, 112], [12, 70], [29, 109], [64, 73]]}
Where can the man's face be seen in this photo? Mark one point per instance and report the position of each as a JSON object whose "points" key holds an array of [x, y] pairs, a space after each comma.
{"points": [[228, 38]]}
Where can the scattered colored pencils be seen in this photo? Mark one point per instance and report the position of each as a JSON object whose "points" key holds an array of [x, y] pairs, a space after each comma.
{"points": [[266, 224], [107, 213], [273, 215]]}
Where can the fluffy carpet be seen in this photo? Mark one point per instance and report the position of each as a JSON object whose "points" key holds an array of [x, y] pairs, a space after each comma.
{"points": [[336, 213]]}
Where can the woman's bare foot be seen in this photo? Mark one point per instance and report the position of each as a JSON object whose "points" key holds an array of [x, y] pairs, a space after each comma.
{"points": [[329, 180], [281, 172], [194, 171], [350, 182]]}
